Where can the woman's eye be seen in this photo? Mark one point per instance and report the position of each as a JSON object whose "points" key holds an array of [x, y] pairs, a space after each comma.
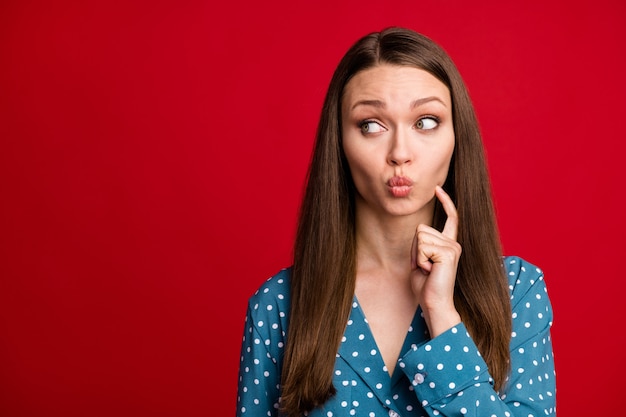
{"points": [[427, 123], [371, 127]]}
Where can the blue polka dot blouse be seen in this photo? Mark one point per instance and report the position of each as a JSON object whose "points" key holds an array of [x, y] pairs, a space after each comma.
{"points": [[444, 376]]}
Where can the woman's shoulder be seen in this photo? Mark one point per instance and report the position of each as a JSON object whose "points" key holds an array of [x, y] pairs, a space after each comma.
{"points": [[273, 294], [517, 268], [530, 305], [267, 321], [523, 278]]}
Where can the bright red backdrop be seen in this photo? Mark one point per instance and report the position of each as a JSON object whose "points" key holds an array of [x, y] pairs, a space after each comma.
{"points": [[152, 158]]}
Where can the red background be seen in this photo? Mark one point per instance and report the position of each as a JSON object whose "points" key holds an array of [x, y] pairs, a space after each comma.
{"points": [[152, 159]]}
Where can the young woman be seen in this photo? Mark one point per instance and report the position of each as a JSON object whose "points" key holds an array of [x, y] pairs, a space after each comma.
{"points": [[399, 301]]}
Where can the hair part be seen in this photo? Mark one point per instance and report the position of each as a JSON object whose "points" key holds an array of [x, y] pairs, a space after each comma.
{"points": [[324, 268]]}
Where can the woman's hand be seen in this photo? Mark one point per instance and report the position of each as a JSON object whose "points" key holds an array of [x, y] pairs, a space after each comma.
{"points": [[434, 260]]}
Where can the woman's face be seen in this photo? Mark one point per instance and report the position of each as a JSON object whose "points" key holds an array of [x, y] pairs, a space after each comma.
{"points": [[398, 138]]}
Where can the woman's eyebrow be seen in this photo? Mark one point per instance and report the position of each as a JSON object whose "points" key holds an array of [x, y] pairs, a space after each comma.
{"points": [[374, 103], [420, 101], [381, 104]]}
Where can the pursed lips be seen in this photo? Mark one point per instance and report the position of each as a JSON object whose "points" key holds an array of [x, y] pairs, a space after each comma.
{"points": [[400, 186]]}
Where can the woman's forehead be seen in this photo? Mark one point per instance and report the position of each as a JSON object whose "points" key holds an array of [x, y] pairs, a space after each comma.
{"points": [[386, 84]]}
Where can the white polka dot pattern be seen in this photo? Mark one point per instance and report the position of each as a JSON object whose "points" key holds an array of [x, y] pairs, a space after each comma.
{"points": [[444, 376]]}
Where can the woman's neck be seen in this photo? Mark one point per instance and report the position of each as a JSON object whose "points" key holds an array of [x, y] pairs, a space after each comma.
{"points": [[384, 242]]}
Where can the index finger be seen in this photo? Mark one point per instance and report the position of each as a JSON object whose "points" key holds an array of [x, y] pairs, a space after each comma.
{"points": [[450, 228]]}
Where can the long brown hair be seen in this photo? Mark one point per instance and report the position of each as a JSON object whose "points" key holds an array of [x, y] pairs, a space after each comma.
{"points": [[324, 267]]}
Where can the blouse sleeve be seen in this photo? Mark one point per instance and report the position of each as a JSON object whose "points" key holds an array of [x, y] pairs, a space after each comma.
{"points": [[261, 351], [450, 378]]}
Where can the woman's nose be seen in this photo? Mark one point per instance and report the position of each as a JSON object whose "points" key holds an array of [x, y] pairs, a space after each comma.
{"points": [[400, 151]]}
